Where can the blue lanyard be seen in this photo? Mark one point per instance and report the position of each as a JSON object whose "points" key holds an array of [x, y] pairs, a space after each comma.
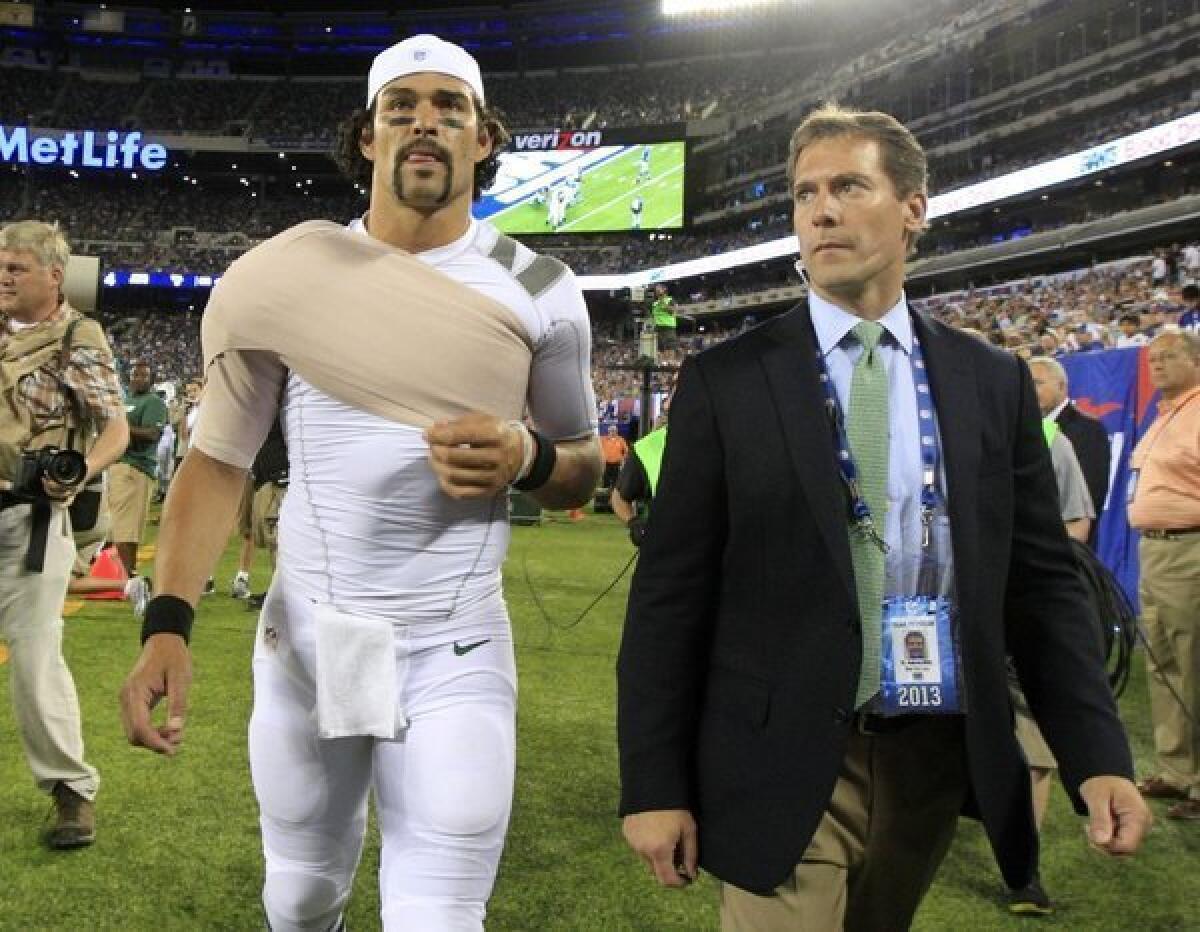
{"points": [[860, 511]]}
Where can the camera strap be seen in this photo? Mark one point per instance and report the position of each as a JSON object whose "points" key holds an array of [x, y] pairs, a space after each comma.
{"points": [[77, 408], [39, 535]]}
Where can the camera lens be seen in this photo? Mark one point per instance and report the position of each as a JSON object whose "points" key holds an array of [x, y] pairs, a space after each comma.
{"points": [[67, 467]]}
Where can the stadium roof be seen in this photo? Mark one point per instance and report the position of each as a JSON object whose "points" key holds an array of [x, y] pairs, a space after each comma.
{"points": [[337, 7]]}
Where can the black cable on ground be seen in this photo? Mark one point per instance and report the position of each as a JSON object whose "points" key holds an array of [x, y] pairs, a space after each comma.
{"points": [[537, 599], [1118, 621]]}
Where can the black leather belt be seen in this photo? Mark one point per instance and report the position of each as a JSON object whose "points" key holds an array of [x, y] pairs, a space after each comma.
{"points": [[1171, 533], [866, 723]]}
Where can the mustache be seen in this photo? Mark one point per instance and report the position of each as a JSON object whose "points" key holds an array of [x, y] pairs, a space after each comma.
{"points": [[424, 147]]}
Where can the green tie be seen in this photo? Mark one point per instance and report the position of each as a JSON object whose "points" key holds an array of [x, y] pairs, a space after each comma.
{"points": [[867, 431]]}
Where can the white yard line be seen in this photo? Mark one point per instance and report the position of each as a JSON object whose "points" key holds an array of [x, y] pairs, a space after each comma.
{"points": [[619, 197]]}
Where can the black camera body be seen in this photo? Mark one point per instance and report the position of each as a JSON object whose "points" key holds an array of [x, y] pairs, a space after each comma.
{"points": [[66, 467]]}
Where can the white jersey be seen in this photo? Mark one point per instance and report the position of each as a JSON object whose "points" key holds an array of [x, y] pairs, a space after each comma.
{"points": [[365, 525], [559, 198]]}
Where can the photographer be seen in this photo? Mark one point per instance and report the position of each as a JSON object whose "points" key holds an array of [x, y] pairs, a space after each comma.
{"points": [[58, 390]]}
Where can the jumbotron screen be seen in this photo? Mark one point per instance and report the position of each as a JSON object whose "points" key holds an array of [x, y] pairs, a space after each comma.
{"points": [[544, 186]]}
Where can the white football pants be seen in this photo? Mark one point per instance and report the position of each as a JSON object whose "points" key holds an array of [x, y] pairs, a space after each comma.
{"points": [[443, 790]]}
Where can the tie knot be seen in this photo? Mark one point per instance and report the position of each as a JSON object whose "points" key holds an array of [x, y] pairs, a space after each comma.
{"points": [[868, 333]]}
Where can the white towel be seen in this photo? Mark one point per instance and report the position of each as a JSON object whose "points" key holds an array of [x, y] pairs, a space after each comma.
{"points": [[359, 678]]}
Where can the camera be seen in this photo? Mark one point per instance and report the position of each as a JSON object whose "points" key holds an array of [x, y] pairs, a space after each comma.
{"points": [[66, 467]]}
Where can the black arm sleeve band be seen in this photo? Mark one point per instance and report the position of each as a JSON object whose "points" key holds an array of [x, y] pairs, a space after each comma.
{"points": [[543, 464], [167, 614]]}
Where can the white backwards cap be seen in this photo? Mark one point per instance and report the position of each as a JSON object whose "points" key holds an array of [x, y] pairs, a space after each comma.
{"points": [[423, 53]]}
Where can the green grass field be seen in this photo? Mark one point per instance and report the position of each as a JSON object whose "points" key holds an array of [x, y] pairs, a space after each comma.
{"points": [[178, 844], [605, 194]]}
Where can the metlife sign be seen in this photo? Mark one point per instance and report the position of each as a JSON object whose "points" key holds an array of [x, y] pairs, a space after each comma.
{"points": [[19, 145]]}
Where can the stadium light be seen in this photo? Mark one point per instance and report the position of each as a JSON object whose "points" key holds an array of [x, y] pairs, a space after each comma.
{"points": [[681, 7]]}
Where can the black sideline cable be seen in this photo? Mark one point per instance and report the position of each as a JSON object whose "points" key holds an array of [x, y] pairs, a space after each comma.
{"points": [[1117, 619], [537, 599]]}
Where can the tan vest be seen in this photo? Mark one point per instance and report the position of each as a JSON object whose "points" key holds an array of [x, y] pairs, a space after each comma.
{"points": [[22, 352]]}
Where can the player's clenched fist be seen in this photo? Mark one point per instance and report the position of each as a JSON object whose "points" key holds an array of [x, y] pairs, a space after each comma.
{"points": [[475, 456]]}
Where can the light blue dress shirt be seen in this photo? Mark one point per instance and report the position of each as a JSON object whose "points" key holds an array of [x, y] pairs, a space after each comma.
{"points": [[902, 526]]}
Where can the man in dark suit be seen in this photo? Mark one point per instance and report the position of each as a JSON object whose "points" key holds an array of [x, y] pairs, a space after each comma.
{"points": [[1087, 435], [757, 721]]}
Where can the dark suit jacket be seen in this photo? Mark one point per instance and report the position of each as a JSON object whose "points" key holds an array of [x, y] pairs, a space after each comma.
{"points": [[1090, 440], [741, 649]]}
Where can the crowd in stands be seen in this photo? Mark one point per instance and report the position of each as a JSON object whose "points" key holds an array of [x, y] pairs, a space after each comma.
{"points": [[305, 113], [302, 113], [764, 167], [1111, 306], [168, 341], [1116, 305]]}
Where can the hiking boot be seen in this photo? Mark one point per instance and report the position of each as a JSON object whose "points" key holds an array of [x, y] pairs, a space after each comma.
{"points": [[1030, 900], [1158, 788], [1187, 811], [75, 819]]}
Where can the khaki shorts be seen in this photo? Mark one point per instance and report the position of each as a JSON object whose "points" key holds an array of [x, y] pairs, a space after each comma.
{"points": [[265, 514], [1029, 736], [129, 493], [245, 520], [88, 543]]}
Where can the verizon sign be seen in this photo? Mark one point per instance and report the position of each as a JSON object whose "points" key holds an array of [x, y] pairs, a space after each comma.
{"points": [[556, 139]]}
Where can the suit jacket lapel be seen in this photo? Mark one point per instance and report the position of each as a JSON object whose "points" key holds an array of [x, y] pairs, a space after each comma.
{"points": [[956, 401], [792, 376]]}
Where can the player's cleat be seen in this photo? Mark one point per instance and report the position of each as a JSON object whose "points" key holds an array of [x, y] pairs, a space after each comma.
{"points": [[209, 587], [137, 591], [241, 585]]}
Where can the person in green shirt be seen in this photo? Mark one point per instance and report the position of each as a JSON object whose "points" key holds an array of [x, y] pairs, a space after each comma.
{"points": [[662, 312], [131, 479]]}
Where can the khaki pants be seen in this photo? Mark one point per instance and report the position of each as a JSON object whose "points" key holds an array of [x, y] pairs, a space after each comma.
{"points": [[1170, 590], [129, 493], [1037, 753], [265, 514], [889, 824], [43, 693], [245, 519]]}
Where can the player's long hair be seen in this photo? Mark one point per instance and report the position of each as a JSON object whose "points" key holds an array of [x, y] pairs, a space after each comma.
{"points": [[356, 128]]}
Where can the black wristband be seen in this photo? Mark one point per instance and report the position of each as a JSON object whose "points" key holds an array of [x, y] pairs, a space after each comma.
{"points": [[543, 464], [168, 614]]}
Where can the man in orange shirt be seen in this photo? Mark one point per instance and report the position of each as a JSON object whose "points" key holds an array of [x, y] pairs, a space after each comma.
{"points": [[615, 450], [1164, 504]]}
